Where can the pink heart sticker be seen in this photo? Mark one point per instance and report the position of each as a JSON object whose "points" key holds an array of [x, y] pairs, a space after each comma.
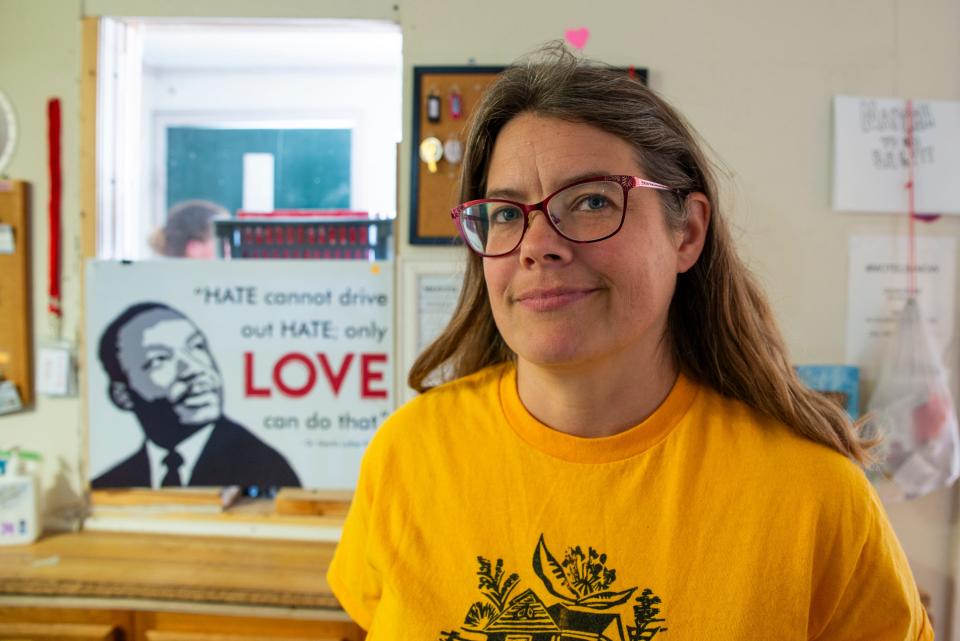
{"points": [[577, 37]]}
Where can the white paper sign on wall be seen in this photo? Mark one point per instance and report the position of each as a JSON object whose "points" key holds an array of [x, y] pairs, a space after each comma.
{"points": [[878, 286], [871, 160]]}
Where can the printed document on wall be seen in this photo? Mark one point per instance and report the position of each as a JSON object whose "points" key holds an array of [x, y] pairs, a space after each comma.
{"points": [[877, 291]]}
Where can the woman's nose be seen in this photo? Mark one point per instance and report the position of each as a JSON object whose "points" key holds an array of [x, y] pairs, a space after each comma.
{"points": [[542, 242]]}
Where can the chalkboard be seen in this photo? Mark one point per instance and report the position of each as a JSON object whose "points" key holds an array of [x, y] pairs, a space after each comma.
{"points": [[312, 169]]}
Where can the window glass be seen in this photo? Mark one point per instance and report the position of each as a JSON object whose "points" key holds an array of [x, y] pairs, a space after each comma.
{"points": [[311, 166]]}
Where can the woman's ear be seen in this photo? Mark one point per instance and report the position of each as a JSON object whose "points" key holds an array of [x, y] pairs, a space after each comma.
{"points": [[694, 234]]}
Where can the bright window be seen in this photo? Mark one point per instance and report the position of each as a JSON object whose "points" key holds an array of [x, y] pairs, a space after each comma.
{"points": [[185, 108]]}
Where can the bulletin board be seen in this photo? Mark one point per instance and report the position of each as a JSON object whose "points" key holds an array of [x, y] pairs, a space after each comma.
{"points": [[433, 194], [15, 340]]}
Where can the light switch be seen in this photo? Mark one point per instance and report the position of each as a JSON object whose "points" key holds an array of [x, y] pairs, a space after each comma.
{"points": [[55, 371]]}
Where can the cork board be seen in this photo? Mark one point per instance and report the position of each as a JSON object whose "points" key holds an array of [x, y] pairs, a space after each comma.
{"points": [[432, 195], [15, 343]]}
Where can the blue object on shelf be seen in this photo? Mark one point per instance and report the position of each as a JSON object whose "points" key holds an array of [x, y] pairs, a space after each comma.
{"points": [[841, 380]]}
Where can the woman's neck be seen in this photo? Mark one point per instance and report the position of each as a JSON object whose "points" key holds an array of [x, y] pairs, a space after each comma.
{"points": [[597, 398]]}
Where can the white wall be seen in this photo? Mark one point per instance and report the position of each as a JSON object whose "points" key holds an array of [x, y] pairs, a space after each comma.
{"points": [[754, 76], [40, 59]]}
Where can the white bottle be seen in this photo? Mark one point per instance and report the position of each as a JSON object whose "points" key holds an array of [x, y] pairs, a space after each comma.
{"points": [[19, 501]]}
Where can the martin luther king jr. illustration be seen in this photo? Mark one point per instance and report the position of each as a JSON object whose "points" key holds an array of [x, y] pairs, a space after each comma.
{"points": [[161, 368]]}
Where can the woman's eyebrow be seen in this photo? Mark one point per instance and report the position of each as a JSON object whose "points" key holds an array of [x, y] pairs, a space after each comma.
{"points": [[513, 194]]}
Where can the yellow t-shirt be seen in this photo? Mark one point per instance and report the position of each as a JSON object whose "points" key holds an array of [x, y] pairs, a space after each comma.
{"points": [[472, 520]]}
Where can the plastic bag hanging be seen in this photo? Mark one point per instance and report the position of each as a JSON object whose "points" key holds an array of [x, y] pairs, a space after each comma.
{"points": [[913, 412]]}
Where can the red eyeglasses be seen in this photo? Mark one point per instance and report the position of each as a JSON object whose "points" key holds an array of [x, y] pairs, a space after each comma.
{"points": [[586, 211]]}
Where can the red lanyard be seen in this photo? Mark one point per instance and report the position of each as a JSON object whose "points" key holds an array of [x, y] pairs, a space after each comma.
{"points": [[912, 204], [56, 193]]}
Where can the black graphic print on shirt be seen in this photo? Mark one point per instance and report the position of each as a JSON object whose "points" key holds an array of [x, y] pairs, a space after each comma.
{"points": [[585, 604]]}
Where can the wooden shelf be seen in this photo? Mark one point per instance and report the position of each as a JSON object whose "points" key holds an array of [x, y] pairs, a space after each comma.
{"points": [[180, 568], [105, 585]]}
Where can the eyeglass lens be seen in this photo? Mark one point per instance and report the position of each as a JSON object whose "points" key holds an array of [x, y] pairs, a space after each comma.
{"points": [[584, 212]]}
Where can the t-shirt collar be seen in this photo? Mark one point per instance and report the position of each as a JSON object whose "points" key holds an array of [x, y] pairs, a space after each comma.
{"points": [[579, 449]]}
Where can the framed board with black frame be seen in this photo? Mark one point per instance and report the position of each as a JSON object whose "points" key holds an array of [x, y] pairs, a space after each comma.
{"points": [[444, 99]]}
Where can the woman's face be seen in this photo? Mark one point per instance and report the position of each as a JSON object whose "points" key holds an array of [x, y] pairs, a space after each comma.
{"points": [[557, 302]]}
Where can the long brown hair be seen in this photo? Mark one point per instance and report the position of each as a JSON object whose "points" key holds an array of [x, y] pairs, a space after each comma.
{"points": [[722, 330]]}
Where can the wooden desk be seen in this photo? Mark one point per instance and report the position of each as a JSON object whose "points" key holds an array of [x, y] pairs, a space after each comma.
{"points": [[100, 585]]}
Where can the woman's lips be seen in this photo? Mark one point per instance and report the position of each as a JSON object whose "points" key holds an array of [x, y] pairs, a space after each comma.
{"points": [[548, 300]]}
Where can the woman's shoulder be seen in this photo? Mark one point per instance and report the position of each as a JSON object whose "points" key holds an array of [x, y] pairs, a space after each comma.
{"points": [[444, 406], [780, 450], [478, 386]]}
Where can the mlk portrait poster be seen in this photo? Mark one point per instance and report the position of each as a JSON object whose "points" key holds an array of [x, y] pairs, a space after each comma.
{"points": [[215, 373]]}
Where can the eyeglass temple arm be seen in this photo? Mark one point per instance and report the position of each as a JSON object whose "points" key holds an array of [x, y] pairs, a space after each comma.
{"points": [[640, 182]]}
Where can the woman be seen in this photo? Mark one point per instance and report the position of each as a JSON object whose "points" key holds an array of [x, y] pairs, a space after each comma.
{"points": [[626, 449], [189, 230]]}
